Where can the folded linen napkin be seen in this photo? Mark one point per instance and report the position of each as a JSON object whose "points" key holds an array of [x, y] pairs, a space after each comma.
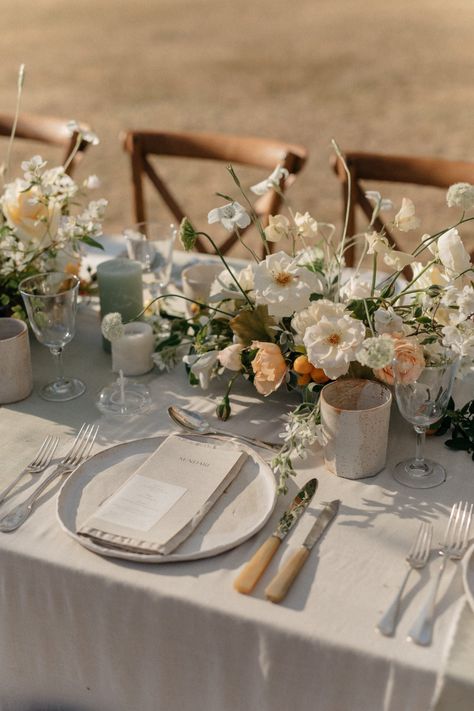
{"points": [[160, 505]]}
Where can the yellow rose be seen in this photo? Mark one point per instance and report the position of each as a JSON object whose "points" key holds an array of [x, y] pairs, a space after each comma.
{"points": [[35, 224], [269, 367]]}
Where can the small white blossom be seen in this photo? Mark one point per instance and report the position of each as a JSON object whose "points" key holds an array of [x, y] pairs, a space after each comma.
{"points": [[461, 195], [112, 326], [460, 339], [405, 219], [92, 182], [272, 182], [376, 352], [32, 168], [306, 225], [387, 321], [230, 216], [88, 136], [381, 204]]}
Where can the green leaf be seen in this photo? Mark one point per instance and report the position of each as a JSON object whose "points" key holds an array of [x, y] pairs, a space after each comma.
{"points": [[91, 242]]}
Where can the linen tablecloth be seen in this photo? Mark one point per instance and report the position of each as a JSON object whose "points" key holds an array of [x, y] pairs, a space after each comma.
{"points": [[85, 633]]}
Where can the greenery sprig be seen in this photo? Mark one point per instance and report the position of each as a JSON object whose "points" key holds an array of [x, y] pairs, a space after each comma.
{"points": [[460, 424]]}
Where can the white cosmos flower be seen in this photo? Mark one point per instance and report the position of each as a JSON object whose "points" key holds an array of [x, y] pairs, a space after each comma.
{"points": [[224, 287], [278, 227], [317, 310], [272, 182], [332, 344], [405, 219], [283, 285], [387, 321], [202, 366], [230, 216], [452, 253], [461, 195]]}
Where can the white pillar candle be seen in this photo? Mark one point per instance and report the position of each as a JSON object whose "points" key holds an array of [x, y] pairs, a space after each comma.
{"points": [[132, 352]]}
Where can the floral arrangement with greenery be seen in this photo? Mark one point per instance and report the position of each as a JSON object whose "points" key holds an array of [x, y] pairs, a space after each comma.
{"points": [[298, 318], [42, 224]]}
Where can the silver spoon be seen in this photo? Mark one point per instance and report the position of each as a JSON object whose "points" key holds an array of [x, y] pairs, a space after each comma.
{"points": [[196, 423]]}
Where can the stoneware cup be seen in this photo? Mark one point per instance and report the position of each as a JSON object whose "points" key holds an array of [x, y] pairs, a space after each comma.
{"points": [[16, 379], [197, 280], [355, 416]]}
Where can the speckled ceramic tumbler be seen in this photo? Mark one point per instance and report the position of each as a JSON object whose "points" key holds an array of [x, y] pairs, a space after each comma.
{"points": [[355, 416], [16, 381]]}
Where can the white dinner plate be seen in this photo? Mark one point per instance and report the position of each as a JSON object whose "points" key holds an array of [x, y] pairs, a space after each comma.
{"points": [[238, 514], [468, 575]]}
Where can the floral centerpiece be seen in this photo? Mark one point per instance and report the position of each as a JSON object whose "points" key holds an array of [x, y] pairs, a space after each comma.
{"points": [[298, 318], [42, 225]]}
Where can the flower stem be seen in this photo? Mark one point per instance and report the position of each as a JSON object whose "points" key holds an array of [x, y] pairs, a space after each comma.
{"points": [[222, 258]]}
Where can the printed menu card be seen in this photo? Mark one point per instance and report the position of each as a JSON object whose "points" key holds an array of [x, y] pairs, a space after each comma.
{"points": [[161, 504]]}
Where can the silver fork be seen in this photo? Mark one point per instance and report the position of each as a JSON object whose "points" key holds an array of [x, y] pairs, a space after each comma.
{"points": [[79, 451], [416, 559], [37, 465], [455, 542]]}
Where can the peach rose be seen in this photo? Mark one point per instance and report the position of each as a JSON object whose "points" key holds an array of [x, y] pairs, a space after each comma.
{"points": [[410, 359], [269, 367], [230, 357]]}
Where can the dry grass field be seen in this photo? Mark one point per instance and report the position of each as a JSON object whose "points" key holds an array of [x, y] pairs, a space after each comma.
{"points": [[393, 77]]}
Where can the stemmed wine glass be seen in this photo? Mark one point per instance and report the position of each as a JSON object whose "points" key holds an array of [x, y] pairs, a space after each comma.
{"points": [[422, 402], [151, 244], [51, 301]]}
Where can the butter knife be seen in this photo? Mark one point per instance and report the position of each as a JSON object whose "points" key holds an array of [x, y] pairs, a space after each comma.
{"points": [[254, 569], [283, 580]]}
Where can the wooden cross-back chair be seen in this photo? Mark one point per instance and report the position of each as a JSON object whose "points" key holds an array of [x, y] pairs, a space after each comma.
{"points": [[256, 152], [49, 130], [431, 172]]}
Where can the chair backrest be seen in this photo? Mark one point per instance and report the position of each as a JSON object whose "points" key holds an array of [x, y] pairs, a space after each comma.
{"points": [[256, 152], [434, 172], [48, 130]]}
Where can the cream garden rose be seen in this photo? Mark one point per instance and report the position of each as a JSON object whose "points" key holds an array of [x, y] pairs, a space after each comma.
{"points": [[268, 366], [35, 223], [410, 362]]}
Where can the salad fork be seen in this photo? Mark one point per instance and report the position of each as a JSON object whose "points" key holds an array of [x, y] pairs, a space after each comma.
{"points": [[79, 452], [38, 464], [455, 542], [417, 558]]}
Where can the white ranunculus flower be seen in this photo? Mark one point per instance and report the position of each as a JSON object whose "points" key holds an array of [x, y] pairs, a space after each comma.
{"points": [[202, 366], [387, 321], [460, 195], [278, 228], [405, 219], [35, 224], [317, 310], [230, 216], [272, 182], [332, 344], [283, 285], [452, 253], [306, 225], [376, 352]]}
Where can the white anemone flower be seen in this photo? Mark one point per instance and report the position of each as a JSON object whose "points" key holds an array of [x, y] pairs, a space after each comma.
{"points": [[405, 219], [202, 366], [230, 216], [461, 195], [323, 308], [332, 344], [283, 285], [272, 182]]}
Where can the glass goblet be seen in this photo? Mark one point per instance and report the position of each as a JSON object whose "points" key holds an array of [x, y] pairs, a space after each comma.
{"points": [[51, 301], [151, 244], [422, 402]]}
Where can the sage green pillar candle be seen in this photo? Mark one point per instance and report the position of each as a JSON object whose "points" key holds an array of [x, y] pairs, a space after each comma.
{"points": [[120, 289]]}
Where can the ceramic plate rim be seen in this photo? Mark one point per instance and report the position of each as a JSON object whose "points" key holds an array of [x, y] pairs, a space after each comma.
{"points": [[172, 557]]}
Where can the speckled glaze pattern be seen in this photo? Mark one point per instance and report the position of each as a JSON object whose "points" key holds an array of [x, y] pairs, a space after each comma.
{"points": [[355, 415], [16, 379]]}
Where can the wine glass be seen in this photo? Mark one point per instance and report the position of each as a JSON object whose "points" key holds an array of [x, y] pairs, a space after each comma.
{"points": [[151, 244], [422, 402], [51, 301]]}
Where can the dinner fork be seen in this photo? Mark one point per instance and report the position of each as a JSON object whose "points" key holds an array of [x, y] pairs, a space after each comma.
{"points": [[417, 558], [455, 542], [38, 464], [79, 452]]}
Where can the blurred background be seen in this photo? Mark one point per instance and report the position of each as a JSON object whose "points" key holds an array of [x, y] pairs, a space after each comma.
{"points": [[390, 77]]}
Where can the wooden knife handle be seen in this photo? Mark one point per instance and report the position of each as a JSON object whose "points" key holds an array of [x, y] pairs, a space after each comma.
{"points": [[283, 580], [254, 569]]}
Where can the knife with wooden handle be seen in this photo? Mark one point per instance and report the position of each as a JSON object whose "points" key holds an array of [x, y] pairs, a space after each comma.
{"points": [[254, 569], [283, 580]]}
